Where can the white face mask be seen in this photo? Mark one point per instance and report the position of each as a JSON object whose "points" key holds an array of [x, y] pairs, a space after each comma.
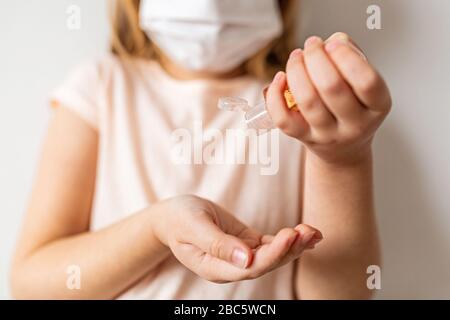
{"points": [[210, 35]]}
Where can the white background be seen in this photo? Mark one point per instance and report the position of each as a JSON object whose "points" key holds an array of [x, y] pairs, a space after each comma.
{"points": [[412, 148]]}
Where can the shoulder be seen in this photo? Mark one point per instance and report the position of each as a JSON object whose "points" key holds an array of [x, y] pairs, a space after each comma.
{"points": [[96, 68], [110, 70], [85, 87]]}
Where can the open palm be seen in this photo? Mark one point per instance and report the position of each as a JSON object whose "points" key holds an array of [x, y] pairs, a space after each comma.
{"points": [[218, 247]]}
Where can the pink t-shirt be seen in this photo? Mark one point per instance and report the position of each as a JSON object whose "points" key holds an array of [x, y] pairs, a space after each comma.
{"points": [[160, 137]]}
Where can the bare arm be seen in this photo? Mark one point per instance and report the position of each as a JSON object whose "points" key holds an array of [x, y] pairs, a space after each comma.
{"points": [[55, 232], [339, 201]]}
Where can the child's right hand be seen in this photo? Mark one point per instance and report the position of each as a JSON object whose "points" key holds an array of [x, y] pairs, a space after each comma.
{"points": [[216, 246]]}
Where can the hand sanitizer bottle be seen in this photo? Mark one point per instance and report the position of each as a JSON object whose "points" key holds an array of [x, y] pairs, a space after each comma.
{"points": [[256, 117]]}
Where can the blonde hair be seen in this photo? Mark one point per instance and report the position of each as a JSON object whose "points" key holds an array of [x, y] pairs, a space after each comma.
{"points": [[128, 40]]}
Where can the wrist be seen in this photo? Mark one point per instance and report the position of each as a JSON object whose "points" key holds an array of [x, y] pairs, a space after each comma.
{"points": [[348, 162], [360, 158], [155, 218]]}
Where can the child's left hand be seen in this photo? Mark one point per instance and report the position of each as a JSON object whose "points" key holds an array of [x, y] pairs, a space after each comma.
{"points": [[341, 98]]}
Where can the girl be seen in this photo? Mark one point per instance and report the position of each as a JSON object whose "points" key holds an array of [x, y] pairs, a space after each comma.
{"points": [[111, 210]]}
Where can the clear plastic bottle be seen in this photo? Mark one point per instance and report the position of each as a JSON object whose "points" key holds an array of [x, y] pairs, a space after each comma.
{"points": [[255, 117]]}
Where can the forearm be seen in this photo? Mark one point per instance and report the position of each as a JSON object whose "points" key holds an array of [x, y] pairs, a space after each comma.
{"points": [[110, 260], [338, 200]]}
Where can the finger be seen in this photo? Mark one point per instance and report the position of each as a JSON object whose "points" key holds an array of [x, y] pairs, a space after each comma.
{"points": [[308, 237], [365, 81], [251, 237], [289, 121], [267, 238], [233, 226], [341, 36], [308, 100], [331, 86], [206, 266], [229, 224], [294, 252], [307, 234], [207, 236], [268, 256]]}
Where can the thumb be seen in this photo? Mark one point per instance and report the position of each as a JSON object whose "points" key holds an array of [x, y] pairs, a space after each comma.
{"points": [[231, 249], [208, 237]]}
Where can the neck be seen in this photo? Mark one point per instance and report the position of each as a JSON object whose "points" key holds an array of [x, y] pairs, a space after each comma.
{"points": [[184, 74]]}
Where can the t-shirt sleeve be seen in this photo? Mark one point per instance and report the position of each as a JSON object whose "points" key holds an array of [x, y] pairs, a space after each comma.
{"points": [[80, 92]]}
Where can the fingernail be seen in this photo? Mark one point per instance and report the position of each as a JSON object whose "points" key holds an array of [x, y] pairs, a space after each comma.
{"points": [[332, 45], [307, 237], [278, 76], [318, 235], [296, 53], [313, 242], [239, 258], [341, 36], [312, 41]]}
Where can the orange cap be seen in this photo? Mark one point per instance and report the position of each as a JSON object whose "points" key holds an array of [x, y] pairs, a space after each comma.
{"points": [[290, 101]]}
